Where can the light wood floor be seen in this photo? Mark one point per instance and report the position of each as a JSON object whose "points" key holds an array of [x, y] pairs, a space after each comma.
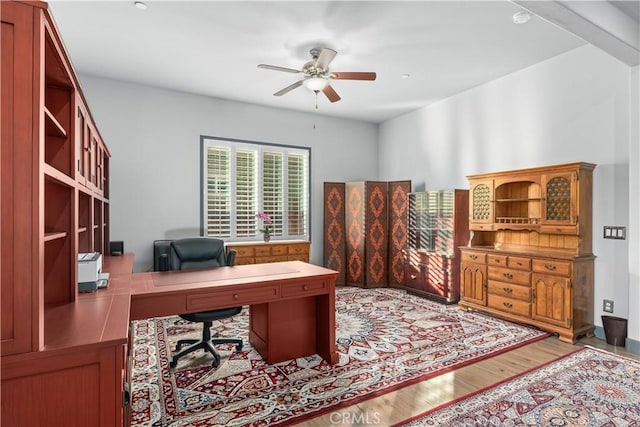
{"points": [[412, 400]]}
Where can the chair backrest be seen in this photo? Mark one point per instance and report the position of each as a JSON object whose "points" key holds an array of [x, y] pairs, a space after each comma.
{"points": [[198, 252]]}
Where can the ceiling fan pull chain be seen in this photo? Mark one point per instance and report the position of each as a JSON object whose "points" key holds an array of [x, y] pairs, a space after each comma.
{"points": [[316, 92]]}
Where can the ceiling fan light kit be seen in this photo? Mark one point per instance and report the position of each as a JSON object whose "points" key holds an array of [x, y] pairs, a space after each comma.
{"points": [[317, 75], [315, 83]]}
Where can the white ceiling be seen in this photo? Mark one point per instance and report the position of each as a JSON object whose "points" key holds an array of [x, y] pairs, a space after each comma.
{"points": [[212, 48]]}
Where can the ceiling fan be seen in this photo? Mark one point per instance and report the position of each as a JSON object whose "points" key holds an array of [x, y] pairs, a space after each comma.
{"points": [[317, 75]]}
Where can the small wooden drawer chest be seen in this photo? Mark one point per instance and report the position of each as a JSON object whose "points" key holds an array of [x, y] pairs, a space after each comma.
{"points": [[262, 252]]}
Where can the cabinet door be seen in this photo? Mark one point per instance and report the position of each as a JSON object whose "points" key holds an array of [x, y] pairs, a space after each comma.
{"points": [[559, 204], [19, 224], [551, 299], [439, 280], [415, 276], [93, 155], [481, 205], [472, 283], [81, 142]]}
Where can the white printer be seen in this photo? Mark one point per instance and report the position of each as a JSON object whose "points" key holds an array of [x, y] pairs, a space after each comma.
{"points": [[90, 275]]}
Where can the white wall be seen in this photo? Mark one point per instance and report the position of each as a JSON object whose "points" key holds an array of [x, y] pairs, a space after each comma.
{"points": [[573, 107], [634, 211], [154, 139]]}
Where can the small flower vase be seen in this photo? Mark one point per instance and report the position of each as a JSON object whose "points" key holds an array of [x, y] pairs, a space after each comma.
{"points": [[266, 237]]}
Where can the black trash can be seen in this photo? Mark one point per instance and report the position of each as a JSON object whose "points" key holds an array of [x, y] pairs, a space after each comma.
{"points": [[615, 330]]}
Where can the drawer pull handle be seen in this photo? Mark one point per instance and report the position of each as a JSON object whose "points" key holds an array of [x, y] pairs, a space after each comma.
{"points": [[507, 290], [508, 275], [497, 261], [507, 304], [473, 256], [235, 296], [305, 288], [550, 267], [413, 277]]}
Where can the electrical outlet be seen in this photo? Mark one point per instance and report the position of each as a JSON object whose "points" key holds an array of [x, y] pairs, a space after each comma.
{"points": [[607, 305]]}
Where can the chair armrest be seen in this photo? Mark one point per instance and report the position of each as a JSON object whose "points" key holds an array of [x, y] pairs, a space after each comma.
{"points": [[231, 257], [164, 262]]}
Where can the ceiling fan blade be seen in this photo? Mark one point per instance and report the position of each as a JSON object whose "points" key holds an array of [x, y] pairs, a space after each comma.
{"points": [[352, 76], [331, 94], [276, 68], [325, 58], [288, 88]]}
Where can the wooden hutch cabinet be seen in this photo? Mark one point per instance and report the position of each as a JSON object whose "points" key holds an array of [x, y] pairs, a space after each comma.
{"points": [[530, 257], [61, 349], [437, 227]]}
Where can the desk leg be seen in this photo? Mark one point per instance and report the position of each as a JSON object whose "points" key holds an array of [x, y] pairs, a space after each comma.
{"points": [[326, 327]]}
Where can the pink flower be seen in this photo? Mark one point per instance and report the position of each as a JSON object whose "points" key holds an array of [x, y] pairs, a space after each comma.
{"points": [[264, 217], [267, 222]]}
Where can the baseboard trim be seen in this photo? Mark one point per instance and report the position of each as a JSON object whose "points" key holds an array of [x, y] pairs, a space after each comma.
{"points": [[631, 346]]}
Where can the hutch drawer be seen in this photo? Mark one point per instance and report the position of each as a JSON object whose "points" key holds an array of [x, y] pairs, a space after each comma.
{"points": [[499, 260], [470, 256], [562, 268], [520, 263], [509, 305], [508, 290], [509, 276]]}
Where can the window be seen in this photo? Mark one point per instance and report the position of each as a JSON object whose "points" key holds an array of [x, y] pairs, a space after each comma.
{"points": [[242, 178]]}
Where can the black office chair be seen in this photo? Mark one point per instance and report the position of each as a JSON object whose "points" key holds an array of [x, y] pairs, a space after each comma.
{"points": [[201, 253]]}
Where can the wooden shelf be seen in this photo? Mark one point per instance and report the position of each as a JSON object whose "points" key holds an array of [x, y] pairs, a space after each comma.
{"points": [[522, 199], [517, 220], [53, 173], [52, 126], [54, 235]]}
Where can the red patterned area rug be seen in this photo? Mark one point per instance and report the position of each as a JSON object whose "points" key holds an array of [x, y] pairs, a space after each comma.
{"points": [[386, 339], [586, 388]]}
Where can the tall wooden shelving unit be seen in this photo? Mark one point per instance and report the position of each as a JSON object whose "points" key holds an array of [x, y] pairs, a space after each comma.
{"points": [[55, 203]]}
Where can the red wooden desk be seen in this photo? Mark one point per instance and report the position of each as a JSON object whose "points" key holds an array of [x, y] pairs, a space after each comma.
{"points": [[292, 304]]}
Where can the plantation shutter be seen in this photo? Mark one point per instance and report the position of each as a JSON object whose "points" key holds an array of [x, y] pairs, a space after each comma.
{"points": [[218, 192], [272, 189], [297, 194], [242, 179], [246, 193]]}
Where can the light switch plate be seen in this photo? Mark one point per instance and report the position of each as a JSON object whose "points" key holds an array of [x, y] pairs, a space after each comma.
{"points": [[615, 232]]}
